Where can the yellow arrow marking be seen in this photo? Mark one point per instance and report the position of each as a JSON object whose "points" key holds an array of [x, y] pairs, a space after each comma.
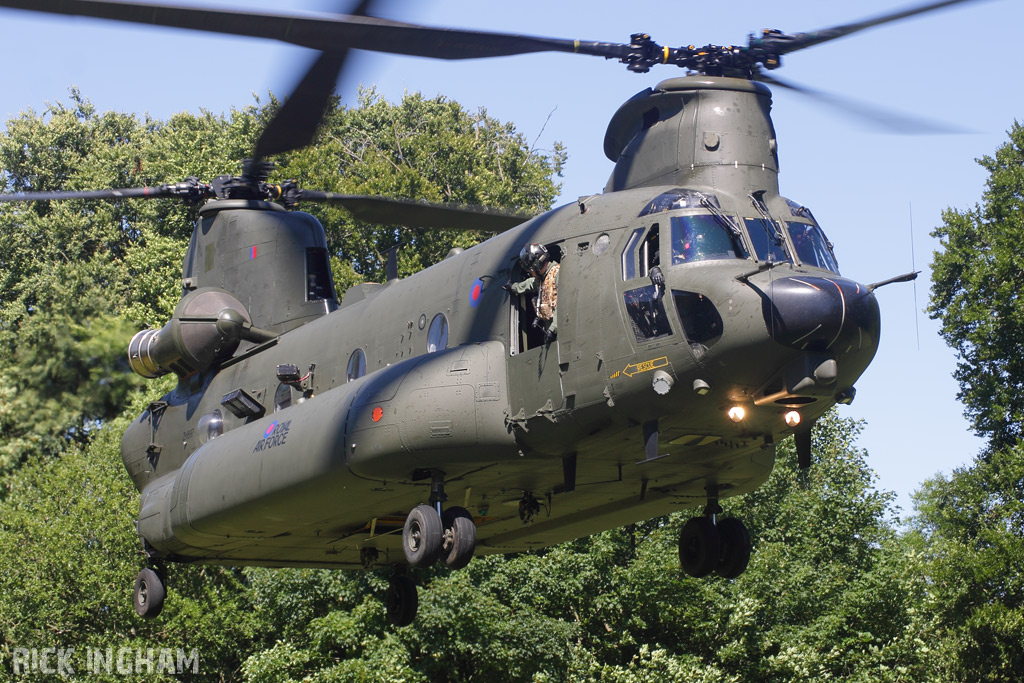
{"points": [[646, 366]]}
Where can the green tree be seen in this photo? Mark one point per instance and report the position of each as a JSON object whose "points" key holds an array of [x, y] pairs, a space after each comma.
{"points": [[972, 527], [78, 278], [971, 524], [976, 295], [419, 148], [68, 560]]}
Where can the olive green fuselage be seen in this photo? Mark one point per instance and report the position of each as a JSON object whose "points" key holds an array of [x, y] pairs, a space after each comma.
{"points": [[542, 441]]}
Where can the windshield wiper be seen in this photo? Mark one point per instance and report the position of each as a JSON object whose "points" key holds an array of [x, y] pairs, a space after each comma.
{"points": [[762, 208], [723, 219]]}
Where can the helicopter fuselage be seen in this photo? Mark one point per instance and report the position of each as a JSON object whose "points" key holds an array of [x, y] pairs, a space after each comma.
{"points": [[543, 441]]}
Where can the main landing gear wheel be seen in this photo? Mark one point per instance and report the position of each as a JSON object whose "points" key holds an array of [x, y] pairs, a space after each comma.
{"points": [[149, 594], [459, 537], [735, 541], [699, 547], [422, 536], [401, 601]]}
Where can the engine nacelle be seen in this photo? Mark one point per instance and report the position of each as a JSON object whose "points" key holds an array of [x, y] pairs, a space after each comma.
{"points": [[205, 328]]}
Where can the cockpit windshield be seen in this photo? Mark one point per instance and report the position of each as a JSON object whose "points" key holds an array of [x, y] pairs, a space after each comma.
{"points": [[768, 243], [811, 246], [701, 238]]}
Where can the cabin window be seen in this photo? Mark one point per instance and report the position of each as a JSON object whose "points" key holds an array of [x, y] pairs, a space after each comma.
{"points": [[702, 238], [767, 242], [356, 365], [812, 248], [318, 275], [437, 335], [646, 314]]}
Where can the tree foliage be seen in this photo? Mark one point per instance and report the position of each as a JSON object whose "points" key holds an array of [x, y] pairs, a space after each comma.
{"points": [[976, 295], [971, 524], [833, 590], [78, 278]]}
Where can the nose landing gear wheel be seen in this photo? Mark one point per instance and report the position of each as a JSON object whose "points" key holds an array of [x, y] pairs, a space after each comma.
{"points": [[699, 547], [735, 548], [401, 601], [149, 594], [459, 537], [422, 536]]}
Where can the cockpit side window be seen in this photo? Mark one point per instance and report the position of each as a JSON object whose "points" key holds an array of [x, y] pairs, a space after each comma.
{"points": [[700, 238], [647, 313], [629, 255], [768, 244], [640, 255], [812, 248], [649, 251]]}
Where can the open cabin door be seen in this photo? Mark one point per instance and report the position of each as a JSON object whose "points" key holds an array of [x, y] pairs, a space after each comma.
{"points": [[534, 373]]}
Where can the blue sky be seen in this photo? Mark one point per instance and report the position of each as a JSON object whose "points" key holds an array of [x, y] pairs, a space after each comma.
{"points": [[959, 66]]}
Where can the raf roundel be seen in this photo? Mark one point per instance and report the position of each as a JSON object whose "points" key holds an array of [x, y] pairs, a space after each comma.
{"points": [[270, 429], [476, 292]]}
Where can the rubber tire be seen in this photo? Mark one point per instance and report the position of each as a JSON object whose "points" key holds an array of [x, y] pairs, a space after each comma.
{"points": [[149, 594], [735, 548], [401, 601], [459, 537], [699, 547], [422, 536]]}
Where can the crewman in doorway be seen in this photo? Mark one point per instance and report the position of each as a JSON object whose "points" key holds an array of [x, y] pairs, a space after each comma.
{"points": [[543, 281]]}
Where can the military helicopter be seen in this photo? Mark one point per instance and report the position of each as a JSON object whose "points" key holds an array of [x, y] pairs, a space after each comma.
{"points": [[698, 318]]}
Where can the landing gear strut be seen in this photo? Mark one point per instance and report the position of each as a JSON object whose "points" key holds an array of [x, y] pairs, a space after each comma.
{"points": [[709, 545], [430, 533]]}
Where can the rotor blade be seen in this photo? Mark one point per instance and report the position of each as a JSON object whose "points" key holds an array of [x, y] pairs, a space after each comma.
{"points": [[325, 32], [190, 189], [295, 124], [415, 214], [886, 120], [799, 41]]}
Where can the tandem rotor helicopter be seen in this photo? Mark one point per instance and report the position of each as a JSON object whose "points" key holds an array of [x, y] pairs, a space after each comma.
{"points": [[618, 358]]}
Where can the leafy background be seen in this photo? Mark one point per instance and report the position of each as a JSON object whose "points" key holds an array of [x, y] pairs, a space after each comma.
{"points": [[838, 586]]}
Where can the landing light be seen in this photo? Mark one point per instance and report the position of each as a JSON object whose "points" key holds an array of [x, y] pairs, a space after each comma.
{"points": [[792, 418], [737, 413]]}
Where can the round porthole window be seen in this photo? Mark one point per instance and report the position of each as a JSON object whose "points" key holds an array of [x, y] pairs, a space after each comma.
{"points": [[210, 426], [437, 335]]}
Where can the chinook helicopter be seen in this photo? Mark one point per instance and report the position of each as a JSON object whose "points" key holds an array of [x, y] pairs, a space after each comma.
{"points": [[700, 319]]}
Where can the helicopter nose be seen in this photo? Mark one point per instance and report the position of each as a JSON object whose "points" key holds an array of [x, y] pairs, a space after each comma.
{"points": [[822, 314]]}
